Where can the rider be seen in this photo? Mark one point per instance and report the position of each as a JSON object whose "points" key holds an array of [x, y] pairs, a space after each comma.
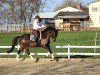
{"points": [[36, 27]]}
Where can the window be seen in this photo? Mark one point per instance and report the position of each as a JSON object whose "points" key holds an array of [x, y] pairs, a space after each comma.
{"points": [[94, 9], [99, 19], [99, 9]]}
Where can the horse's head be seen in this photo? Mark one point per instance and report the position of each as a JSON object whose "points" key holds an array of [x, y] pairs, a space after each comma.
{"points": [[52, 32]]}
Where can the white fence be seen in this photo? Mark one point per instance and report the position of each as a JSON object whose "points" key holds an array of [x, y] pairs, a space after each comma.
{"points": [[68, 52], [14, 27]]}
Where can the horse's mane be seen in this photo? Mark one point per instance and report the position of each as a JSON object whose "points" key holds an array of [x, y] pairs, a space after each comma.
{"points": [[48, 29]]}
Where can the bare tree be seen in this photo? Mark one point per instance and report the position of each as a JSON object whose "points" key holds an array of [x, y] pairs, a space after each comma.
{"points": [[66, 3], [20, 11]]}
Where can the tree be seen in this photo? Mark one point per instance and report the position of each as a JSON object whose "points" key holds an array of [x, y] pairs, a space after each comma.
{"points": [[66, 3], [20, 11]]}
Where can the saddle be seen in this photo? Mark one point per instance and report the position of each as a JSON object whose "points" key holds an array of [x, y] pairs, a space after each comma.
{"points": [[34, 32], [32, 37], [35, 36]]}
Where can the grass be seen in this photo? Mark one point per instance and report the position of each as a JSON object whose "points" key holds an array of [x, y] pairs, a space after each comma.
{"points": [[81, 38], [76, 38]]}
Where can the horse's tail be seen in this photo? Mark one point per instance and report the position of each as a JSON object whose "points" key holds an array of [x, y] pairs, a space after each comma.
{"points": [[14, 42]]}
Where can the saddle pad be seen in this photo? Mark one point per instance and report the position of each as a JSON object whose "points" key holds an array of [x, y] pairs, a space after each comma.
{"points": [[32, 37]]}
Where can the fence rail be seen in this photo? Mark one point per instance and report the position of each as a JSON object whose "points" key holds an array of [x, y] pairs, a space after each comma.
{"points": [[68, 53], [15, 27]]}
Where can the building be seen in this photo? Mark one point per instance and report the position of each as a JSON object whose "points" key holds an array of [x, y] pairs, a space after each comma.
{"points": [[94, 13], [62, 16], [75, 16]]}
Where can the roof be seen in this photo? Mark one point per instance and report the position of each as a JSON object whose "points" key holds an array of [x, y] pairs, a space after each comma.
{"points": [[71, 15], [46, 14], [69, 9], [53, 14]]}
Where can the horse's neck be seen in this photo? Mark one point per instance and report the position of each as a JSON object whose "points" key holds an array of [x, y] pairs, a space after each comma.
{"points": [[46, 35]]}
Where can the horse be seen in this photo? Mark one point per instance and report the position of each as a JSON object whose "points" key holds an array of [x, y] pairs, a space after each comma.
{"points": [[25, 43]]}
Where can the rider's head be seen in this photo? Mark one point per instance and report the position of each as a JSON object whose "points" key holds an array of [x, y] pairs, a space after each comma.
{"points": [[37, 17]]}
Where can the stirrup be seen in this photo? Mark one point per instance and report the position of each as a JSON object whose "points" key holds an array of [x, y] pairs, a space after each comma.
{"points": [[36, 43]]}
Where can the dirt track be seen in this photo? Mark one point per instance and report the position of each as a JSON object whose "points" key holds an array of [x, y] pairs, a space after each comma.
{"points": [[46, 67]]}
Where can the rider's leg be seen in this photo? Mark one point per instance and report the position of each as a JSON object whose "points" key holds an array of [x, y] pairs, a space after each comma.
{"points": [[40, 35], [36, 39]]}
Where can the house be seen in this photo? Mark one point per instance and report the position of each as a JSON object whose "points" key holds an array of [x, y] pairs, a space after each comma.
{"points": [[76, 19], [70, 14], [94, 13]]}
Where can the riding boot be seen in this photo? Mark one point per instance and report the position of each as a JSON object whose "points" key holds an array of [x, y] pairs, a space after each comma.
{"points": [[35, 40]]}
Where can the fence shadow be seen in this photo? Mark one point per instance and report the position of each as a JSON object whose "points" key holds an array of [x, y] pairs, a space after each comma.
{"points": [[81, 56]]}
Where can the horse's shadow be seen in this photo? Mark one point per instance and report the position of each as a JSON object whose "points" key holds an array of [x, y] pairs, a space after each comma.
{"points": [[38, 59], [57, 59]]}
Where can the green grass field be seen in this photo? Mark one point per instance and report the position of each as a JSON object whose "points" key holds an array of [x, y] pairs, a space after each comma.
{"points": [[81, 38]]}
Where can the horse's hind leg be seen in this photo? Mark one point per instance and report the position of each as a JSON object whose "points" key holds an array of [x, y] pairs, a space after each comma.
{"points": [[18, 52], [28, 52]]}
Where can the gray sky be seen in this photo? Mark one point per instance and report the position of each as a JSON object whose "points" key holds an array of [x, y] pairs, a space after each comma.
{"points": [[52, 3]]}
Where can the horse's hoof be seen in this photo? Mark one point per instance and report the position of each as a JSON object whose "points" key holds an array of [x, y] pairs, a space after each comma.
{"points": [[56, 59], [23, 59], [8, 52], [37, 59]]}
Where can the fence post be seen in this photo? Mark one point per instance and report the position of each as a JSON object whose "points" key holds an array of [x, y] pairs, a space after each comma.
{"points": [[95, 42], [68, 51]]}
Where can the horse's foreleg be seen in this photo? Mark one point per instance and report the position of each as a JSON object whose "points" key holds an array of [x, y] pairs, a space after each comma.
{"points": [[50, 52]]}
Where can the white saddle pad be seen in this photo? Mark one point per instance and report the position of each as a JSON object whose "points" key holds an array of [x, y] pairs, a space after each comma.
{"points": [[32, 37]]}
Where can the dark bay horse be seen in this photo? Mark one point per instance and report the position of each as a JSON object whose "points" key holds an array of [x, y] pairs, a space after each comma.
{"points": [[25, 43]]}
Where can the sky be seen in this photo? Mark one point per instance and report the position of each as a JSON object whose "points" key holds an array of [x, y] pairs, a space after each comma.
{"points": [[52, 3]]}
